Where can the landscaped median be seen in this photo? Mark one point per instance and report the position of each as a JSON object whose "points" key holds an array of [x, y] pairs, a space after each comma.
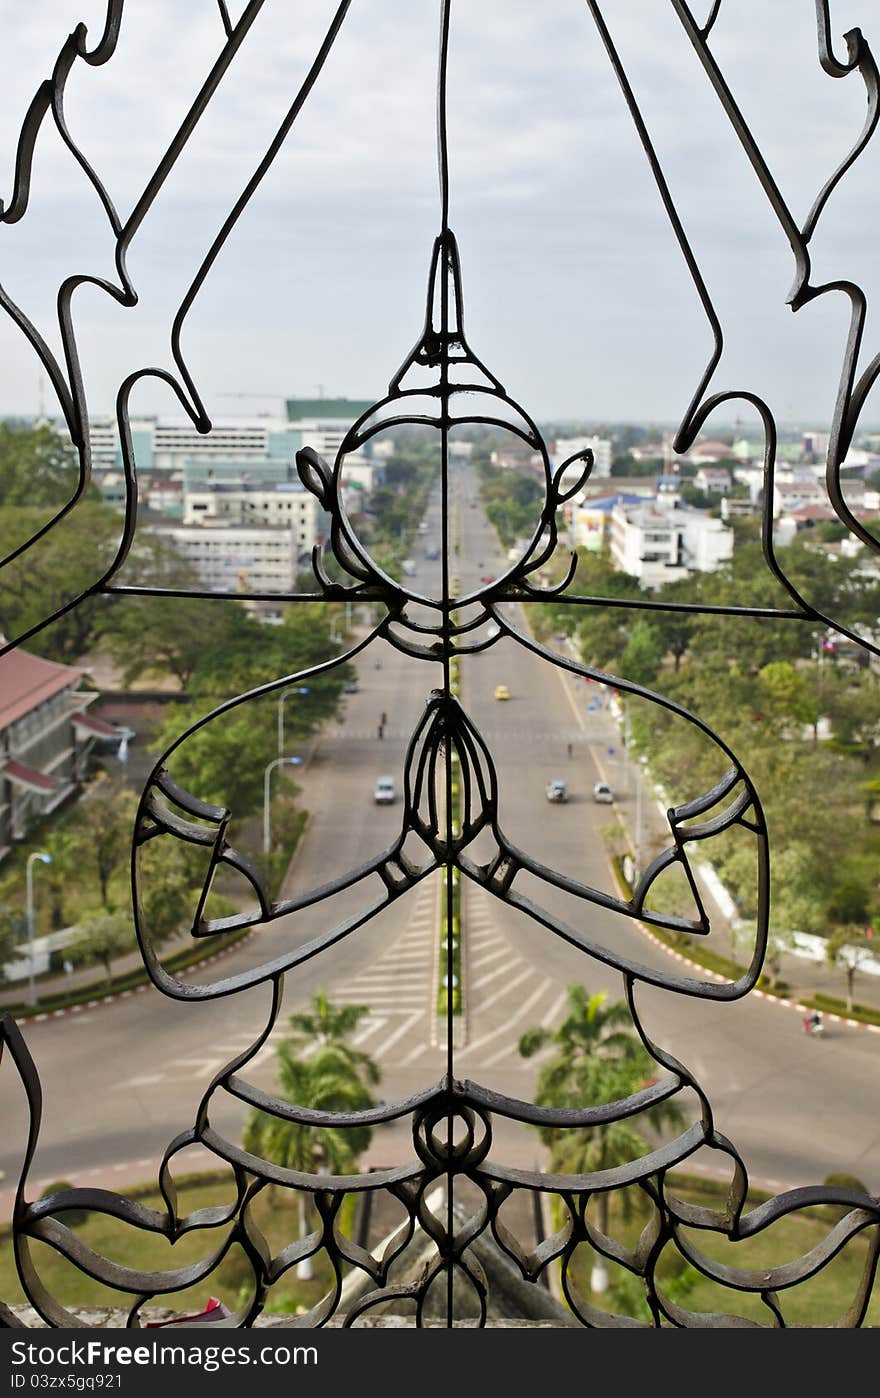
{"points": [[450, 931]]}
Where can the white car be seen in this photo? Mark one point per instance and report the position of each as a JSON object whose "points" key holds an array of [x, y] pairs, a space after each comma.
{"points": [[602, 792], [385, 791], [557, 792]]}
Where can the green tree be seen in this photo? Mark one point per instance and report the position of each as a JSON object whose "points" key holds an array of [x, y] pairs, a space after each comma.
{"points": [[13, 933], [318, 1068], [848, 948], [224, 761], [64, 563], [102, 937], [786, 694], [169, 878], [512, 498], [96, 841], [166, 635], [854, 710], [38, 466], [597, 1059], [643, 654], [675, 628]]}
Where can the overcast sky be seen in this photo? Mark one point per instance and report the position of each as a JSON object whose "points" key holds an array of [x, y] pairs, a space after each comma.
{"points": [[576, 294]]}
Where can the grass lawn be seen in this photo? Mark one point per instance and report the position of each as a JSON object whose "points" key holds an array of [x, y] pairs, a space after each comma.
{"points": [[275, 1213], [817, 1303]]}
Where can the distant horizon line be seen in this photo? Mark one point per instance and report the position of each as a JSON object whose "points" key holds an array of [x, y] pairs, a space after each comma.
{"points": [[584, 424]]}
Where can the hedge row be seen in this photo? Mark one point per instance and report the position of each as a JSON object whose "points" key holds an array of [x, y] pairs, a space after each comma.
{"points": [[128, 980], [731, 970]]}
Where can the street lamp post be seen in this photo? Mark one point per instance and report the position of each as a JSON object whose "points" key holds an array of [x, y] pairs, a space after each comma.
{"points": [[44, 859], [285, 693], [276, 762]]}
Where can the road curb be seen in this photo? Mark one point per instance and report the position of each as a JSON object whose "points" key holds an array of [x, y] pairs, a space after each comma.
{"points": [[122, 994], [758, 994]]}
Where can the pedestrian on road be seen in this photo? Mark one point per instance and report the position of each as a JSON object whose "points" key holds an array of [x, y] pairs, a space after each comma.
{"points": [[381, 732], [383, 720], [569, 749]]}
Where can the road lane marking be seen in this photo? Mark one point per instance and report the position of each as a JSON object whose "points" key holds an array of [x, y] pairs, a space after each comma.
{"points": [[493, 975], [387, 977], [372, 1026], [478, 961], [554, 1009], [380, 1049], [500, 994], [482, 942], [200, 1067], [505, 1028]]}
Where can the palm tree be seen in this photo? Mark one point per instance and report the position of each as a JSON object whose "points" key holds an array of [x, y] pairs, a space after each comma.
{"points": [[325, 1023], [596, 1061], [317, 1068]]}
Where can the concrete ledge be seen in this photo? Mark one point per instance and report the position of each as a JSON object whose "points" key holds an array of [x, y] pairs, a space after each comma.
{"points": [[106, 1318]]}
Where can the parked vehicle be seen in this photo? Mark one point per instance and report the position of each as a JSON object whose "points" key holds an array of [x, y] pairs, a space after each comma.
{"points": [[602, 792], [385, 791], [557, 791]]}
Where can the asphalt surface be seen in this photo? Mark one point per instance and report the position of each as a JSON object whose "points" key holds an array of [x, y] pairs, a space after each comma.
{"points": [[119, 1081]]}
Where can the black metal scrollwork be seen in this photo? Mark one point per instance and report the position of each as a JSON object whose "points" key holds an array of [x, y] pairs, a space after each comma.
{"points": [[442, 385]]}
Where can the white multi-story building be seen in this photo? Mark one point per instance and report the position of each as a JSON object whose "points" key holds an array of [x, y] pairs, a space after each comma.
{"points": [[239, 558], [241, 450], [659, 543], [284, 505], [793, 494], [166, 444], [566, 447], [103, 440]]}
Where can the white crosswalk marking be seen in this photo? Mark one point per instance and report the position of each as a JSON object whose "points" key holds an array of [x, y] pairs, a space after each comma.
{"points": [[387, 1044], [477, 961], [493, 975], [524, 1009], [492, 961], [554, 1010]]}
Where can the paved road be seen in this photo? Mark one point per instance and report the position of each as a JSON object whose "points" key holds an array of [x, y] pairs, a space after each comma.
{"points": [[119, 1081]]}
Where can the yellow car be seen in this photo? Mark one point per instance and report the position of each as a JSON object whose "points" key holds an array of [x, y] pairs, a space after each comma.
{"points": [[501, 691]]}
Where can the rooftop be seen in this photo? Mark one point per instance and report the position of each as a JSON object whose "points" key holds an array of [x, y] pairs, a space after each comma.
{"points": [[27, 681]]}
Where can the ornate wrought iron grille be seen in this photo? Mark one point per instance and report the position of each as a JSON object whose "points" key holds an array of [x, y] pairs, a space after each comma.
{"points": [[451, 786]]}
